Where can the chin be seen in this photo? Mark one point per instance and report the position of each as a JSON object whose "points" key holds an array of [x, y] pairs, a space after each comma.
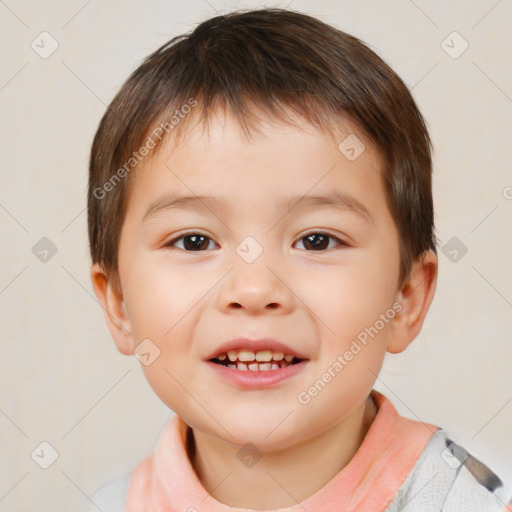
{"points": [[260, 430]]}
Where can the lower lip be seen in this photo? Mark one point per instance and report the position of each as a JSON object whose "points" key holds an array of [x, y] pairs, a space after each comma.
{"points": [[248, 379]]}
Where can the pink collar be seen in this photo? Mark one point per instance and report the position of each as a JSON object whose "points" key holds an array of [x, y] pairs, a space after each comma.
{"points": [[165, 481]]}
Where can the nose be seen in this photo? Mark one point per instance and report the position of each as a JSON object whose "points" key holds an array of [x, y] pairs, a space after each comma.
{"points": [[255, 288]]}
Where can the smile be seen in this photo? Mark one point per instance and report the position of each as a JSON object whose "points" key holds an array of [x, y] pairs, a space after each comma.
{"points": [[262, 360]]}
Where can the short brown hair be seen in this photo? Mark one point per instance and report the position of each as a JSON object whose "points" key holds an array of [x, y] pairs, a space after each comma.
{"points": [[275, 59]]}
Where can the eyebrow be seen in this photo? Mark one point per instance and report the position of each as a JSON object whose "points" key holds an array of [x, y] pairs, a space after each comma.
{"points": [[335, 199]]}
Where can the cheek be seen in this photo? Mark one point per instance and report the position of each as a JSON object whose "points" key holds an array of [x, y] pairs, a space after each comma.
{"points": [[160, 293], [347, 299], [162, 301]]}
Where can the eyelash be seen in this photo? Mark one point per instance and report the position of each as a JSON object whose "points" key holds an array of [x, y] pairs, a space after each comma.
{"points": [[190, 233]]}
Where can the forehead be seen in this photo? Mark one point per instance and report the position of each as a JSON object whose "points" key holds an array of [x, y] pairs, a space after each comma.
{"points": [[278, 164]]}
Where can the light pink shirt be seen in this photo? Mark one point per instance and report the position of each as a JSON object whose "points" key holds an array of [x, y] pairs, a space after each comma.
{"points": [[165, 481]]}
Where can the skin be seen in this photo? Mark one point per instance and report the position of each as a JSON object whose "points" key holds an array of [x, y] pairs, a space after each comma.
{"points": [[316, 301]]}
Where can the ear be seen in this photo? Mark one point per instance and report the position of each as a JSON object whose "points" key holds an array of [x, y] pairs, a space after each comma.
{"points": [[415, 298], [114, 309]]}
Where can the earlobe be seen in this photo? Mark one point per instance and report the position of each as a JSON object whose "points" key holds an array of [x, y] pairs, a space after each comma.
{"points": [[415, 298], [114, 309]]}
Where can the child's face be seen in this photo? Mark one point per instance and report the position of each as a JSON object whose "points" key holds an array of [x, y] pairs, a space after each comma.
{"points": [[314, 295]]}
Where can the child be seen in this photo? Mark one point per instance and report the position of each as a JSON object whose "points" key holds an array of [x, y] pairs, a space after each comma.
{"points": [[261, 230]]}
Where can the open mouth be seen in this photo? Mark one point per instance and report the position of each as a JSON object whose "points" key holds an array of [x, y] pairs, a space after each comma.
{"points": [[262, 360]]}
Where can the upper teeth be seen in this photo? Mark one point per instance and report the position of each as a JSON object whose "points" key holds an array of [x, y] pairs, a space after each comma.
{"points": [[260, 355]]}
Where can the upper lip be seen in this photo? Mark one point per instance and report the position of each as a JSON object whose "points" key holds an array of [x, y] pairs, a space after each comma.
{"points": [[255, 346]]}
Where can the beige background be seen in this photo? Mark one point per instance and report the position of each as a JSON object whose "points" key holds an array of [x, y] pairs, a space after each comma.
{"points": [[62, 379]]}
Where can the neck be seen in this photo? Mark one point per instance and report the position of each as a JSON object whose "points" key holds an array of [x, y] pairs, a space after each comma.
{"points": [[271, 483]]}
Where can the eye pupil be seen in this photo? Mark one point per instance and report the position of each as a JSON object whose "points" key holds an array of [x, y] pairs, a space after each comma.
{"points": [[198, 242], [317, 240]]}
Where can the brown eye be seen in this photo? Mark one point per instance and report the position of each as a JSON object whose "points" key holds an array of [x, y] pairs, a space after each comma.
{"points": [[319, 241], [193, 242]]}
